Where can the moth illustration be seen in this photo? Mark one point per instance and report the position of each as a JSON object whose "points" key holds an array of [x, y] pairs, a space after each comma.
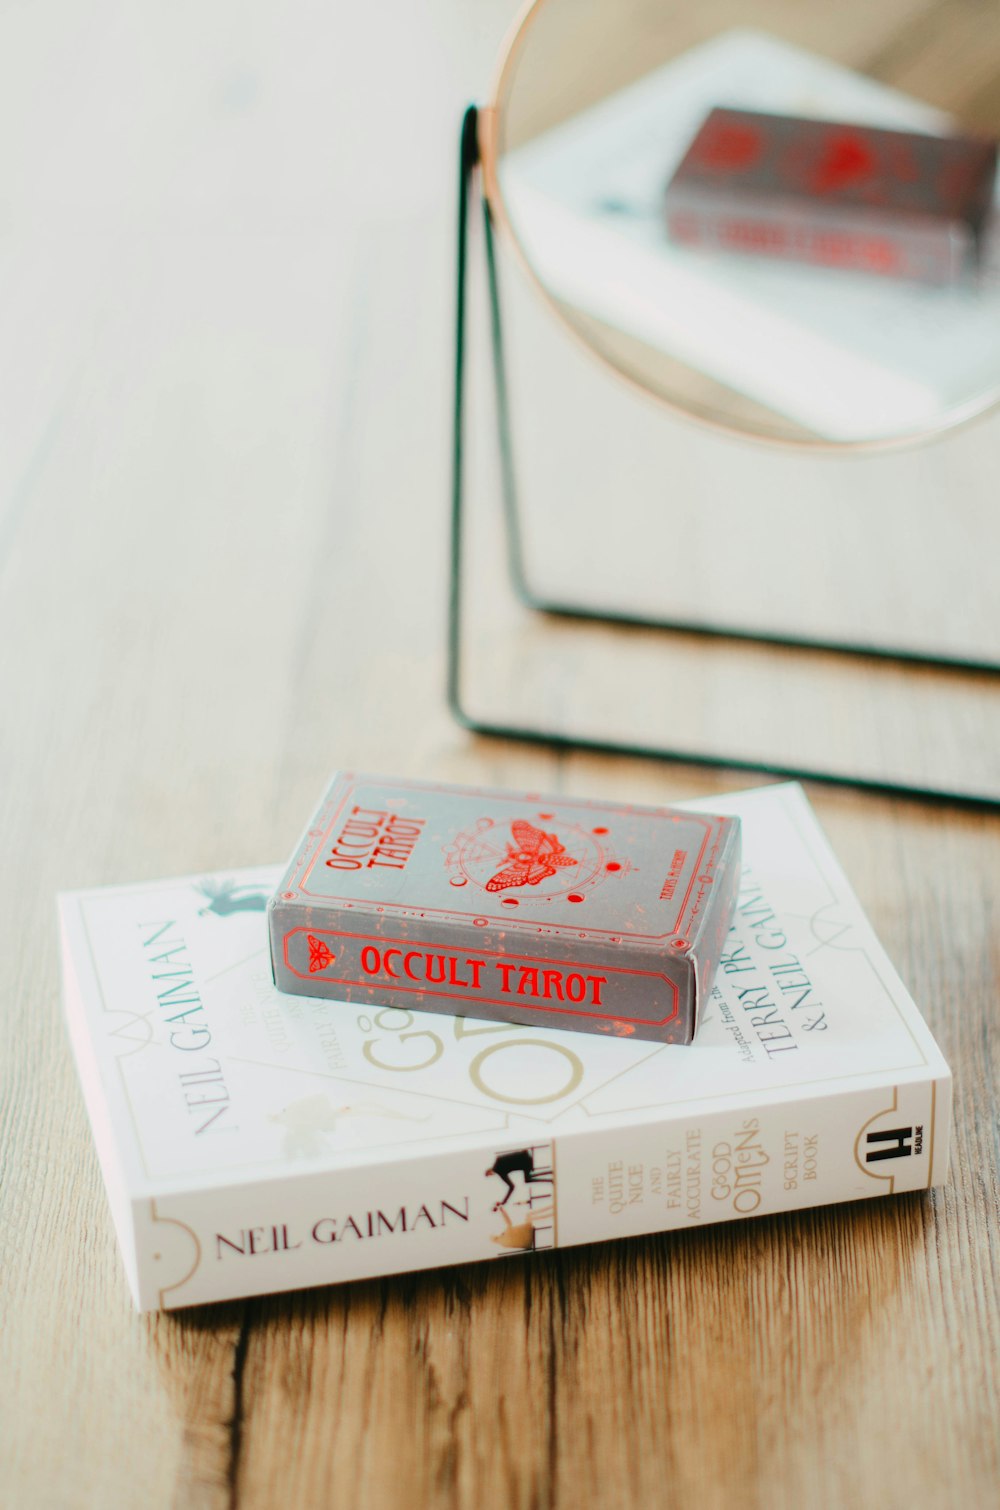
{"points": [[533, 856], [319, 955]]}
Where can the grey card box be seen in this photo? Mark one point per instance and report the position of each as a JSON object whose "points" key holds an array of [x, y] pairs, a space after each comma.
{"points": [[606, 918]]}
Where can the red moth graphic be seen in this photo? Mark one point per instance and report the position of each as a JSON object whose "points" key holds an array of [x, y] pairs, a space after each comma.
{"points": [[533, 857], [319, 955]]}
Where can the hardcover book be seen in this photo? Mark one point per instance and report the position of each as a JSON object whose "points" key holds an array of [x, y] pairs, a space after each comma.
{"points": [[254, 1142]]}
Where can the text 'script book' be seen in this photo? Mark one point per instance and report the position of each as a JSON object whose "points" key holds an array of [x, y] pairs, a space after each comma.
{"points": [[254, 1142]]}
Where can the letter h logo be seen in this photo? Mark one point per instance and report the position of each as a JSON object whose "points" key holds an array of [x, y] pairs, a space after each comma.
{"points": [[895, 1143]]}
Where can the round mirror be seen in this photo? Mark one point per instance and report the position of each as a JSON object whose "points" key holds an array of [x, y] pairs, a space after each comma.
{"points": [[779, 216]]}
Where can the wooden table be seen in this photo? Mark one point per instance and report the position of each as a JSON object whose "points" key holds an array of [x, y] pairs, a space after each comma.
{"points": [[222, 508]]}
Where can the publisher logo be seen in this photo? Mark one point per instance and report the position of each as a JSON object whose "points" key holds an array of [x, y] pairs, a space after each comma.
{"points": [[525, 1179], [893, 1143], [891, 1148]]}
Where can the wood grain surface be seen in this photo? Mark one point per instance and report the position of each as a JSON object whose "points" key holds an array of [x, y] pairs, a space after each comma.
{"points": [[226, 236]]}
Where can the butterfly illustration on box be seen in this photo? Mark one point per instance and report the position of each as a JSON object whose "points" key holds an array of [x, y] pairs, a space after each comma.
{"points": [[533, 857], [320, 954], [526, 860]]}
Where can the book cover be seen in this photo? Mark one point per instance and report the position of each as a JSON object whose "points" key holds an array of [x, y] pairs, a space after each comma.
{"points": [[253, 1142], [596, 916]]}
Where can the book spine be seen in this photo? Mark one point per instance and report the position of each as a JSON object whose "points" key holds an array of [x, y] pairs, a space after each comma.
{"points": [[529, 1193]]}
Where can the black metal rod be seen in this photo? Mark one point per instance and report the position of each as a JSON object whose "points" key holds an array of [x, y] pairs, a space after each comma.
{"points": [[467, 160], [554, 740], [581, 613]]}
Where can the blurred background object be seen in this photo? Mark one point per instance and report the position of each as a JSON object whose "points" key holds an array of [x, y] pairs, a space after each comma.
{"points": [[585, 145], [598, 112]]}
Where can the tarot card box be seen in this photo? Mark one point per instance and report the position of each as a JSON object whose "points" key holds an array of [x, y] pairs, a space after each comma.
{"points": [[901, 203], [514, 906]]}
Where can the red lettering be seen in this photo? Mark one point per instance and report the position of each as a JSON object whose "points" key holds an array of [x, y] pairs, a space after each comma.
{"points": [[370, 960], [407, 828], [413, 954], [385, 962], [505, 969], [454, 979], [476, 966], [597, 981], [552, 985], [438, 961], [528, 984], [576, 987], [359, 832]]}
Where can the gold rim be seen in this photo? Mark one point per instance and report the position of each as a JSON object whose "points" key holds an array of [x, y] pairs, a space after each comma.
{"points": [[489, 125]]}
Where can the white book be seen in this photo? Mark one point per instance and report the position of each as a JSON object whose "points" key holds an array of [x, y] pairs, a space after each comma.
{"points": [[254, 1142]]}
